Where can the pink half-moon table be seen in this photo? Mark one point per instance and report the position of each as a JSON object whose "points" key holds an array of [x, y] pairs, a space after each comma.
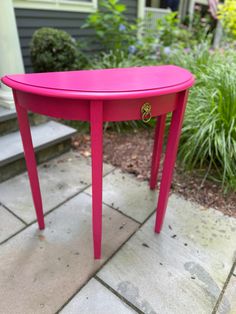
{"points": [[105, 95]]}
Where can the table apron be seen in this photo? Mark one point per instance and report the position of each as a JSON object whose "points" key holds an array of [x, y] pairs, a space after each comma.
{"points": [[79, 109]]}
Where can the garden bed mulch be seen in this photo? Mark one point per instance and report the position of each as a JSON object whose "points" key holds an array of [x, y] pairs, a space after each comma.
{"points": [[131, 151]]}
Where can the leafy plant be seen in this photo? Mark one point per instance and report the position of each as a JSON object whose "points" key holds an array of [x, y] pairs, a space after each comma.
{"points": [[200, 27], [112, 29], [53, 50], [118, 36], [208, 139], [227, 14], [169, 30], [147, 45], [197, 60], [107, 60], [173, 35]]}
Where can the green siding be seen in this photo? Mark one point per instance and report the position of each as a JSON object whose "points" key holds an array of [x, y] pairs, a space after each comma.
{"points": [[29, 20]]}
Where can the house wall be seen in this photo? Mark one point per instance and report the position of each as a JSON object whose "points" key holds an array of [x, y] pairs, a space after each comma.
{"points": [[29, 20]]}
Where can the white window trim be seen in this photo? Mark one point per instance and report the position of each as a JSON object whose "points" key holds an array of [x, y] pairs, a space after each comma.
{"points": [[58, 5]]}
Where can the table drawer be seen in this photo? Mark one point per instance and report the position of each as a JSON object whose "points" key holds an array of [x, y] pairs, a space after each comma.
{"points": [[124, 110]]}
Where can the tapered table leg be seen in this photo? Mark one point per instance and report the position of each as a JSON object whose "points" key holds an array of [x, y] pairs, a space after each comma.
{"points": [[170, 156], [157, 149], [30, 160], [96, 120]]}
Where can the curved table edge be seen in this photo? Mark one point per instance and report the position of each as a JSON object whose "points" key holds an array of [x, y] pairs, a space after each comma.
{"points": [[96, 95]]}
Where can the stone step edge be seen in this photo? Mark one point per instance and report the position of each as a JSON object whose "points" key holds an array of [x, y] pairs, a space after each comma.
{"points": [[7, 114], [68, 132]]}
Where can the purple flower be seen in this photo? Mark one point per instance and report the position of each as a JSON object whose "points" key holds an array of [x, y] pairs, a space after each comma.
{"points": [[187, 50], [122, 27], [167, 50], [132, 49]]}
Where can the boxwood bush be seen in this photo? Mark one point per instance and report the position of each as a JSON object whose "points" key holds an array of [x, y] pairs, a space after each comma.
{"points": [[53, 50]]}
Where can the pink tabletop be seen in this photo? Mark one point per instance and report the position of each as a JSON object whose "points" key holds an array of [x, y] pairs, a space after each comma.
{"points": [[106, 84]]}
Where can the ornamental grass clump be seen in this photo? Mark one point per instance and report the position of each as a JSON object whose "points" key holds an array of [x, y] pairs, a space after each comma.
{"points": [[209, 133], [208, 140]]}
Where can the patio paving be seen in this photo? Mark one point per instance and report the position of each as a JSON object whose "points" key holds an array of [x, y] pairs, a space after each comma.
{"points": [[94, 298], [60, 179], [184, 269], [51, 265], [228, 302], [130, 196], [9, 224]]}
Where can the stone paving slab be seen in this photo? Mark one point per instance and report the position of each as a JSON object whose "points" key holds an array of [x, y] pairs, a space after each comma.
{"points": [[59, 178], [182, 269], [41, 270], [228, 303], [94, 298], [126, 193], [9, 224]]}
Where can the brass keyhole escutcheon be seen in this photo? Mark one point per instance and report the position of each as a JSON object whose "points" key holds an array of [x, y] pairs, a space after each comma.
{"points": [[146, 111]]}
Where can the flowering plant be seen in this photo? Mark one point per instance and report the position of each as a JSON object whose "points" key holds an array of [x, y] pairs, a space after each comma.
{"points": [[112, 29]]}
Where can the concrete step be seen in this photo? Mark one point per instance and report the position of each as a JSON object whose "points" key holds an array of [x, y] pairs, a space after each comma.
{"points": [[50, 139], [8, 120], [6, 114]]}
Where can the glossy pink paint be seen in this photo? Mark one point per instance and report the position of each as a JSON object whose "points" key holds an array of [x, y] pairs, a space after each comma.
{"points": [[105, 95], [157, 149]]}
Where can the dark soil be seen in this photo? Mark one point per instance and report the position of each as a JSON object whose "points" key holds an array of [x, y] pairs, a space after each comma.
{"points": [[131, 151]]}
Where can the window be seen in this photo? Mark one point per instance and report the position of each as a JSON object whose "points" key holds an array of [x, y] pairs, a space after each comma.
{"points": [[61, 5]]}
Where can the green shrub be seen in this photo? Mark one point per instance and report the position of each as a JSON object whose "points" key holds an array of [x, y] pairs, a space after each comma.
{"points": [[201, 28], [112, 29], [227, 14], [208, 140], [53, 50], [117, 35], [169, 31]]}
